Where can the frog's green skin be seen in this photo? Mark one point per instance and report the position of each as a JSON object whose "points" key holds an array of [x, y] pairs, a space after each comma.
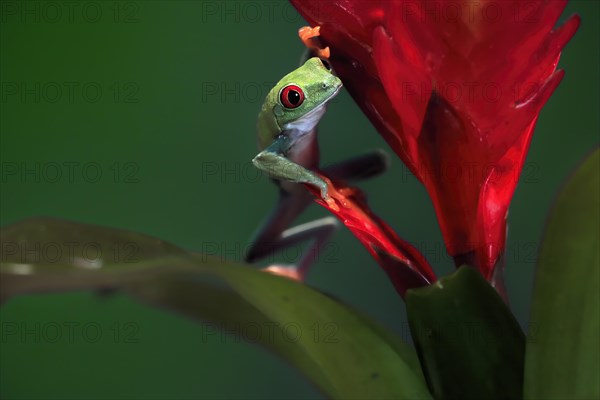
{"points": [[287, 136], [287, 140]]}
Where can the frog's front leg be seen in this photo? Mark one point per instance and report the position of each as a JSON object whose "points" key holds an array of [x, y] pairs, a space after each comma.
{"points": [[275, 235], [273, 162]]}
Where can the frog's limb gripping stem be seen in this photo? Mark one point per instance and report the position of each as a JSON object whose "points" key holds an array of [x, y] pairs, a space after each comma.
{"points": [[275, 235], [324, 187], [279, 167]]}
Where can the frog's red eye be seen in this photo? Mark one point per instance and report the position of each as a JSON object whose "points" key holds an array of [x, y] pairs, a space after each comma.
{"points": [[291, 96]]}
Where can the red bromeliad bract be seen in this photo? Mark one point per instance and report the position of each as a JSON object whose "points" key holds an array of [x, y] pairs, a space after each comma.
{"points": [[403, 263], [455, 87]]}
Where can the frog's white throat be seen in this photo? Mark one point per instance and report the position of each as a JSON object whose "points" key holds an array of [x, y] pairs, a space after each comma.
{"points": [[307, 122]]}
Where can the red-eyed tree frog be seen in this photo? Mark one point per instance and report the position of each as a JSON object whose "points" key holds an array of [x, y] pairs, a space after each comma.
{"points": [[289, 153]]}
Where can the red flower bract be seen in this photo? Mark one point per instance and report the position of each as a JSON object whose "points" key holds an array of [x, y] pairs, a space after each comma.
{"points": [[403, 263], [455, 88]]}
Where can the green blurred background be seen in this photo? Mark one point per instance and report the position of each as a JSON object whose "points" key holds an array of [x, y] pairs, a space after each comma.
{"points": [[160, 98]]}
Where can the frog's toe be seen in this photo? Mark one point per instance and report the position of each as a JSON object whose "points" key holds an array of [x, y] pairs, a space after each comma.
{"points": [[306, 33], [287, 271]]}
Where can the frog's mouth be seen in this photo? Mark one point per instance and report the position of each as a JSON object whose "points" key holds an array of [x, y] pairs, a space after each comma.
{"points": [[337, 90], [323, 106], [310, 120]]}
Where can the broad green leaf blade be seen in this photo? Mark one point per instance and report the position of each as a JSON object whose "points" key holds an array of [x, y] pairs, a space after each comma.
{"points": [[339, 350], [406, 352], [469, 343], [49, 255], [345, 342], [227, 311], [563, 352], [347, 358]]}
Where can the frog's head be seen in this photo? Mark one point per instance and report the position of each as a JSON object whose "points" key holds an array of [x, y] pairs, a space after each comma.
{"points": [[299, 98]]}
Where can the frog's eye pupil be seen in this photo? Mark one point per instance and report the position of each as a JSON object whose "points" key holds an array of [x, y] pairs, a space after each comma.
{"points": [[292, 96]]}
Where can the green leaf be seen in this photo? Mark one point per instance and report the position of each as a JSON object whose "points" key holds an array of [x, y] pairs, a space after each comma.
{"points": [[563, 351], [468, 341], [344, 353], [51, 255]]}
